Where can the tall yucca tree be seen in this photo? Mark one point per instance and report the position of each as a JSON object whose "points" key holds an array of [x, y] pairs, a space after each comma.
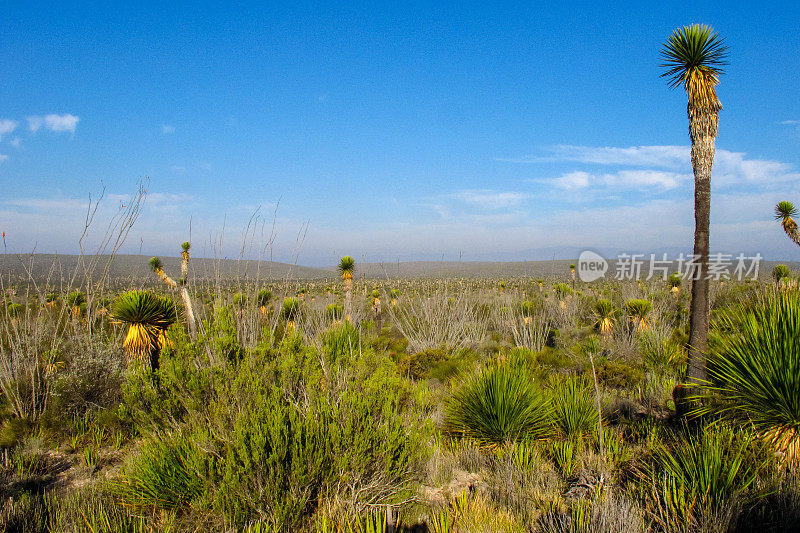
{"points": [[182, 284], [347, 267], [148, 317], [693, 57], [785, 211]]}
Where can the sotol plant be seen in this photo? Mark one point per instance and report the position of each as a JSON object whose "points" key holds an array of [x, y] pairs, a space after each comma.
{"points": [[498, 405]]}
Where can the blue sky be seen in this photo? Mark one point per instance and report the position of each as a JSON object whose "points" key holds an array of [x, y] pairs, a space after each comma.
{"points": [[394, 131]]}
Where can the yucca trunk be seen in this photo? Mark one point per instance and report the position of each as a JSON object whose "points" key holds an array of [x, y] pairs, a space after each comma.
{"points": [[186, 297], [791, 230], [347, 282], [703, 123]]}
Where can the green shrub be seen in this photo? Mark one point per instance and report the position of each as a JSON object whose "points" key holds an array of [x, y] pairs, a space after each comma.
{"points": [[161, 474], [270, 435], [341, 343], [618, 375], [497, 405]]}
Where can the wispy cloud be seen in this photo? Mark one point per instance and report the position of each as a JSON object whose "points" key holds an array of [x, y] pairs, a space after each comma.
{"points": [[573, 180], [3, 158], [633, 179], [641, 156], [489, 199], [53, 122], [15, 142], [167, 129], [661, 166], [7, 126]]}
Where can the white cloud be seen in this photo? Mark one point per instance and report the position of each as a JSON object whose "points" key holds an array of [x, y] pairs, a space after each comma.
{"points": [[15, 142], [667, 167], [573, 180], [642, 156], [634, 179], [53, 122], [489, 199], [7, 126], [167, 129], [789, 122], [34, 123], [3, 158]]}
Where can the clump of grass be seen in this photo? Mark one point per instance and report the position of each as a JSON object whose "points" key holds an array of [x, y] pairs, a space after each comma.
{"points": [[697, 477], [497, 405], [574, 411]]}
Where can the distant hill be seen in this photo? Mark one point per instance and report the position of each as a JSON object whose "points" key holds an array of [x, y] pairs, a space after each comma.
{"points": [[134, 268]]}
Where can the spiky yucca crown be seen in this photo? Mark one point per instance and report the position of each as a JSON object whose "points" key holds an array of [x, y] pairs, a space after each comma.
{"points": [[639, 307], [156, 265], [694, 56], [785, 211], [146, 308], [346, 267], [674, 280], [604, 308], [186, 246]]}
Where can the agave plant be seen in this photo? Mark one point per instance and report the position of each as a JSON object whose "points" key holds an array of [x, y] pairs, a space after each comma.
{"points": [[498, 405], [754, 369], [638, 309], [785, 211], [148, 316]]}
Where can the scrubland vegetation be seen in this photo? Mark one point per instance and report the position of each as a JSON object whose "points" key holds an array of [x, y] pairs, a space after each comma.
{"points": [[474, 407]]}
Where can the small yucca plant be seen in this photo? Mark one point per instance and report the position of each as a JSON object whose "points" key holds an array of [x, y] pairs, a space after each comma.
{"points": [[290, 309], [604, 310], [781, 273], [498, 405], [638, 309], [346, 267], [148, 316], [263, 299], [674, 282]]}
